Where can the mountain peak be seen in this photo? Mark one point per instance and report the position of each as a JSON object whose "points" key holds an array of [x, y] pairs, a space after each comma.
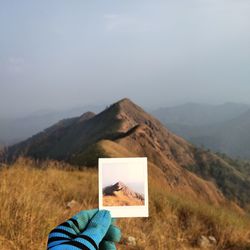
{"points": [[125, 100], [86, 116], [118, 188], [127, 104], [119, 185]]}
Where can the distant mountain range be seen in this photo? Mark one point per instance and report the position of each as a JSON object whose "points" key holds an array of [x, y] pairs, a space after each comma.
{"points": [[13, 130], [124, 130], [223, 128], [196, 114]]}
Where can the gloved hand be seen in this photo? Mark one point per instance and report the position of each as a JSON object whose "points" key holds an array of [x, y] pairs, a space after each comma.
{"points": [[87, 230]]}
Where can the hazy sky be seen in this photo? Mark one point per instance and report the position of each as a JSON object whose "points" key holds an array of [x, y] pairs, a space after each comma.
{"points": [[64, 53], [132, 175]]}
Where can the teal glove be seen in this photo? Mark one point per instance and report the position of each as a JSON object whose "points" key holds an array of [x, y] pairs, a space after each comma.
{"points": [[87, 230]]}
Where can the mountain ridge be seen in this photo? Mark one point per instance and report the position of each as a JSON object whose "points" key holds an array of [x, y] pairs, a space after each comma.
{"points": [[124, 128], [120, 186], [119, 194]]}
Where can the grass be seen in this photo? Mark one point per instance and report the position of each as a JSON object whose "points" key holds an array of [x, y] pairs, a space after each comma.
{"points": [[33, 201], [119, 199]]}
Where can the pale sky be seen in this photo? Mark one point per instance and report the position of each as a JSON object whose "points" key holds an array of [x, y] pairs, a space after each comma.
{"points": [[132, 175], [57, 54]]}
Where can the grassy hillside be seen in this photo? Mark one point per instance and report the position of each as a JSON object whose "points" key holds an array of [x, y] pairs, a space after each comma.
{"points": [[33, 198], [125, 129], [231, 176], [241, 165]]}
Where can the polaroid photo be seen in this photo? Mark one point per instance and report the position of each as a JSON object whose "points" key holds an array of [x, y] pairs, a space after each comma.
{"points": [[123, 186]]}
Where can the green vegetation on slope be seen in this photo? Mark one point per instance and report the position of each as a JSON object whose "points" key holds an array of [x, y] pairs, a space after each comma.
{"points": [[227, 174], [242, 166], [89, 157]]}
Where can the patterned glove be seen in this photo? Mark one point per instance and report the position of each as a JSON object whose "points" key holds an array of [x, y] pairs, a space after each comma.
{"points": [[87, 230]]}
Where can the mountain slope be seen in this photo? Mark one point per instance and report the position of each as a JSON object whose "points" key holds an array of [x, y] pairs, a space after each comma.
{"points": [[119, 194], [223, 128], [37, 198], [53, 142], [13, 130], [230, 137], [125, 129]]}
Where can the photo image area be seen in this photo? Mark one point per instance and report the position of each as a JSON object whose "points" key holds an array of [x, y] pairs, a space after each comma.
{"points": [[123, 186]]}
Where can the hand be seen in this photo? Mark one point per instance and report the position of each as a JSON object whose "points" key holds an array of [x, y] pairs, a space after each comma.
{"points": [[87, 230]]}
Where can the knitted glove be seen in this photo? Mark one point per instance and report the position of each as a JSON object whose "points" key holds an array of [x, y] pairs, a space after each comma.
{"points": [[87, 230]]}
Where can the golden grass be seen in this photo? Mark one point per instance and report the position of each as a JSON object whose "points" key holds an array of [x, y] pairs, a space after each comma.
{"points": [[121, 200], [33, 201]]}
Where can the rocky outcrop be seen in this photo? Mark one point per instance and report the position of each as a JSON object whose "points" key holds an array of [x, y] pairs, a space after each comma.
{"points": [[122, 188]]}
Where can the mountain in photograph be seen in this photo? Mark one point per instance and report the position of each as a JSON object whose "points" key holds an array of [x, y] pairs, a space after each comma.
{"points": [[119, 194], [223, 128], [124, 130]]}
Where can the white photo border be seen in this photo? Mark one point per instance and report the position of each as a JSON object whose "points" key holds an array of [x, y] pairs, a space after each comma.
{"points": [[125, 211]]}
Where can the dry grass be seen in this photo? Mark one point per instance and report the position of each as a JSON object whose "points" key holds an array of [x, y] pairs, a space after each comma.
{"points": [[121, 200], [33, 201]]}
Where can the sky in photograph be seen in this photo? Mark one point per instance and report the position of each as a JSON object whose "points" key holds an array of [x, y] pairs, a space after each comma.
{"points": [[132, 175], [61, 54]]}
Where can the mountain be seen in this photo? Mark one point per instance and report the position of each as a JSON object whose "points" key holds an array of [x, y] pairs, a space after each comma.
{"points": [[231, 137], [125, 129], [13, 130], [119, 194], [196, 114], [222, 128]]}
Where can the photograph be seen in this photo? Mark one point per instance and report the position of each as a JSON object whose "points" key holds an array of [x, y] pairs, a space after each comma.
{"points": [[123, 186]]}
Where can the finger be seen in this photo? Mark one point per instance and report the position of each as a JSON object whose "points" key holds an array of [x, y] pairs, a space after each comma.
{"points": [[96, 230], [113, 234], [53, 244], [107, 245], [62, 233], [82, 218], [79, 221]]}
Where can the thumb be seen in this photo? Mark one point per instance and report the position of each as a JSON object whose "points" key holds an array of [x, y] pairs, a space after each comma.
{"points": [[96, 230]]}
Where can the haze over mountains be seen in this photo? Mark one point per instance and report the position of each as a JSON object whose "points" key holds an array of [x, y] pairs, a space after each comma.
{"points": [[197, 114], [124, 129], [223, 128], [13, 130]]}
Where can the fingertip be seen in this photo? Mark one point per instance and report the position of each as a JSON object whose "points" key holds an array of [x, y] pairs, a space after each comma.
{"points": [[86, 213], [105, 214], [107, 245], [84, 216], [101, 220], [113, 234], [98, 226]]}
